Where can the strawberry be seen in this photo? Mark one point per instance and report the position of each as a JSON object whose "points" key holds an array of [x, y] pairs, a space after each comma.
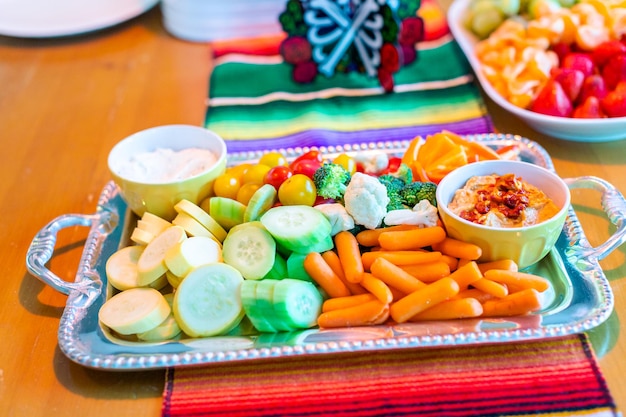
{"points": [[552, 100], [561, 49], [570, 79], [606, 50], [593, 85], [579, 60], [590, 109], [614, 71], [614, 104]]}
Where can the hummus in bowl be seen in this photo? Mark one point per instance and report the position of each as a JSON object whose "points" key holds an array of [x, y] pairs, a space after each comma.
{"points": [[502, 201], [523, 229]]}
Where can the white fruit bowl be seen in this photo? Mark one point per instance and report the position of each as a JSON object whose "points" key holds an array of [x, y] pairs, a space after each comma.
{"points": [[579, 130]]}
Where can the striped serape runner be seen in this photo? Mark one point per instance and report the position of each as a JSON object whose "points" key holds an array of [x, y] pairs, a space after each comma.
{"points": [[255, 104], [552, 377]]}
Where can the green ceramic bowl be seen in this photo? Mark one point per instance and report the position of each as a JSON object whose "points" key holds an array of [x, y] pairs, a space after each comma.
{"points": [[525, 245], [159, 196]]}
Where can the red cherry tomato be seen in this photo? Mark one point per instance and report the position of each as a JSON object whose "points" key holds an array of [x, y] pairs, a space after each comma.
{"points": [[312, 155], [393, 165], [306, 167], [277, 175]]}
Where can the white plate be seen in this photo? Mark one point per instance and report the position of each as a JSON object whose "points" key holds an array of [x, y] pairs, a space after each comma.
{"points": [[579, 130], [52, 18]]}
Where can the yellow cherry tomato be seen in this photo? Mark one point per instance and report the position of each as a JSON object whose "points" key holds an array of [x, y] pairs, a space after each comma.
{"points": [[226, 185], [297, 190], [272, 159], [256, 173], [238, 170], [245, 192], [347, 162]]}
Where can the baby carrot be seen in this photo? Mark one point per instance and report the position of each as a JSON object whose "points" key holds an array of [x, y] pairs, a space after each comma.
{"points": [[467, 274], [429, 272], [474, 293], [332, 259], [452, 262], [458, 249], [516, 304], [506, 264], [491, 287], [412, 239], [377, 287], [395, 277], [345, 302], [349, 255], [364, 314], [418, 301], [400, 257], [324, 276], [451, 309], [518, 279], [369, 237]]}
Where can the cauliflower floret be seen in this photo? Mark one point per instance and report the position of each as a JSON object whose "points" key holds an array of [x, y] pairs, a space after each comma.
{"points": [[366, 200], [337, 216], [423, 214], [373, 164]]}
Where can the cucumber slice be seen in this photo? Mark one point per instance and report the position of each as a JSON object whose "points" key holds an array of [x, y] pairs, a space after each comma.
{"points": [[323, 245], [253, 310], [262, 200], [279, 269], [296, 228], [295, 267], [208, 301], [227, 212], [265, 302], [297, 303], [250, 249]]}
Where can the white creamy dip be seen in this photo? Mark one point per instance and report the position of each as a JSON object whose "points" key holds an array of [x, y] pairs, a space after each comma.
{"points": [[166, 165]]}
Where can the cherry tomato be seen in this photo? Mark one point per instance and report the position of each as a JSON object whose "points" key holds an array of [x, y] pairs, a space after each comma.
{"points": [[347, 162], [272, 159], [297, 190], [238, 170], [312, 155], [393, 165], [306, 167], [277, 175], [226, 185], [245, 192], [256, 173]]}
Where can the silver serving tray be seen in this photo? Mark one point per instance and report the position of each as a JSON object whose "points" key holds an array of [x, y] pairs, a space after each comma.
{"points": [[581, 299]]}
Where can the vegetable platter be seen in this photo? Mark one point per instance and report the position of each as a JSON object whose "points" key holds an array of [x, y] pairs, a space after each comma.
{"points": [[580, 297]]}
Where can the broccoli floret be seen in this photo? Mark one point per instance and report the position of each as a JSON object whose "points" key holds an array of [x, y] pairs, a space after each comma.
{"points": [[394, 186], [331, 180], [414, 192], [403, 172]]}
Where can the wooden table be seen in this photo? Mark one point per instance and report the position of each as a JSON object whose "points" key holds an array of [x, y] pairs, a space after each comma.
{"points": [[63, 104]]}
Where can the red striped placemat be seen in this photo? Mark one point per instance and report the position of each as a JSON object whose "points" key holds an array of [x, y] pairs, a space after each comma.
{"points": [[553, 377]]}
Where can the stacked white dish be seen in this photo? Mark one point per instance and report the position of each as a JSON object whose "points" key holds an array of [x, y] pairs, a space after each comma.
{"points": [[211, 20]]}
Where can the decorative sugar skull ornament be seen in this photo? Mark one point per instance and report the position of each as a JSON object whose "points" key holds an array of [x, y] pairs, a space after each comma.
{"points": [[374, 37]]}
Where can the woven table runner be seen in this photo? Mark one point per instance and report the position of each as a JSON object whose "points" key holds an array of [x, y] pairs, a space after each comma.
{"points": [[555, 377], [254, 102]]}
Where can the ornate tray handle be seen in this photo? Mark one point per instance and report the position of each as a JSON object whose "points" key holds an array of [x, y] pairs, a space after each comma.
{"points": [[42, 249], [614, 205]]}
